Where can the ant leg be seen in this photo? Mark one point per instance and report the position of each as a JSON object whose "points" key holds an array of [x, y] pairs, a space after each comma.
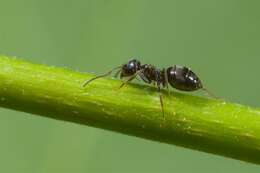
{"points": [[130, 79], [209, 93], [100, 76], [117, 73], [141, 75], [166, 81], [138, 79], [159, 81], [161, 101]]}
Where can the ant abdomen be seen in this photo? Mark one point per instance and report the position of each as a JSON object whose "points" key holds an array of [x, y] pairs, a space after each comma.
{"points": [[183, 78]]}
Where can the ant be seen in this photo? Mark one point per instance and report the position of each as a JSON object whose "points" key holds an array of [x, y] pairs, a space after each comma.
{"points": [[179, 77]]}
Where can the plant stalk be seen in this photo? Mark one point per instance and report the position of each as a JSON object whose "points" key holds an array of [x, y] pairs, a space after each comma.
{"points": [[209, 125]]}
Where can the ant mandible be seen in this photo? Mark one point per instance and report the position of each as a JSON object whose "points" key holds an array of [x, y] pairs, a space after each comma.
{"points": [[179, 77]]}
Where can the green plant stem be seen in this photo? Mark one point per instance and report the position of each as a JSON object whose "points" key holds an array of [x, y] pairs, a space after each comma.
{"points": [[203, 124]]}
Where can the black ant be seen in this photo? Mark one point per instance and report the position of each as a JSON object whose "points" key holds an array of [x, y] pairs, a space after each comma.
{"points": [[179, 77]]}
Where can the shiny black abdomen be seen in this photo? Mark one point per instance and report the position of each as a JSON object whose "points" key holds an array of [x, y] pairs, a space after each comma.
{"points": [[182, 78]]}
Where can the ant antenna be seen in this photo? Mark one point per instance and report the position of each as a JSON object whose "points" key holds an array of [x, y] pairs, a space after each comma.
{"points": [[100, 76]]}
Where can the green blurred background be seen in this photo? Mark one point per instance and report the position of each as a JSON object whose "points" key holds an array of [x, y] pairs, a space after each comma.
{"points": [[219, 39]]}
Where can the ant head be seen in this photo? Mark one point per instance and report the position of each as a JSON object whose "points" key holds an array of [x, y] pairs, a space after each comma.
{"points": [[130, 68], [183, 78]]}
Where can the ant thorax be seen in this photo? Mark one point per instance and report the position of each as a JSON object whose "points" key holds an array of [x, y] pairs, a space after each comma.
{"points": [[148, 73]]}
